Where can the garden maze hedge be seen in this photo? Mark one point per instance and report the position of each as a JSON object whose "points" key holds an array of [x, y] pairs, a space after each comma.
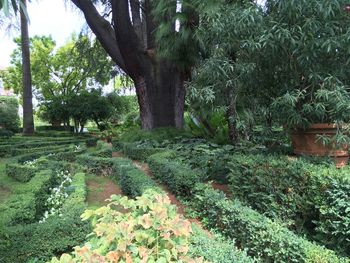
{"points": [[37, 166]]}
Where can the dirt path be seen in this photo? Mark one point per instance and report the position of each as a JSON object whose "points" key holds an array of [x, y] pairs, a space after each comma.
{"points": [[180, 207], [100, 188]]}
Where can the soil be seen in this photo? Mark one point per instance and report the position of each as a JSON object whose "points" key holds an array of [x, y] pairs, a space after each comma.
{"points": [[173, 200], [222, 187], [100, 188]]}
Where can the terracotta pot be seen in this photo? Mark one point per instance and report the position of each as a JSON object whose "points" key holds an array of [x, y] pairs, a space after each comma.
{"points": [[304, 142]]}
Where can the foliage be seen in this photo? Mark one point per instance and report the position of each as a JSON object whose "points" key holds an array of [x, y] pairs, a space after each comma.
{"points": [[216, 248], [41, 241], [9, 119], [21, 173], [177, 176], [121, 106], [333, 225], [28, 203], [307, 198], [263, 238], [147, 230], [159, 135], [132, 180]]}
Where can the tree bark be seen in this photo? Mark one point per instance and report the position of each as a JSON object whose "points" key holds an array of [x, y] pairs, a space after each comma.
{"points": [[231, 117], [159, 83], [28, 120]]}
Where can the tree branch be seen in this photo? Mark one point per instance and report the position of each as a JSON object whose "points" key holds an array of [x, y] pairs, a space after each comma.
{"points": [[103, 31]]}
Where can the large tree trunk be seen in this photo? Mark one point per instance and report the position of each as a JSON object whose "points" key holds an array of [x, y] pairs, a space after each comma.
{"points": [[28, 121], [161, 96], [130, 42]]}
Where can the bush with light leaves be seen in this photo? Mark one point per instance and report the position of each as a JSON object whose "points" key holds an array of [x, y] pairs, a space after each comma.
{"points": [[147, 230]]}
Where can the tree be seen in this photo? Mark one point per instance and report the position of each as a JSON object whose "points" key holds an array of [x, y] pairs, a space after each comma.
{"points": [[28, 120], [130, 40], [58, 73]]}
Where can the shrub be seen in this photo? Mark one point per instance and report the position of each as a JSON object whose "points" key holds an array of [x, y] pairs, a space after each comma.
{"points": [[28, 203], [9, 119], [299, 193], [57, 235], [138, 152], [216, 249], [334, 222], [147, 229], [177, 176], [132, 181], [159, 135], [96, 165], [262, 237], [21, 173], [5, 133]]}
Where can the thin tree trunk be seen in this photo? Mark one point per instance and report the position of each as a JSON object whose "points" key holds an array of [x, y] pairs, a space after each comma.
{"points": [[231, 117], [28, 120]]}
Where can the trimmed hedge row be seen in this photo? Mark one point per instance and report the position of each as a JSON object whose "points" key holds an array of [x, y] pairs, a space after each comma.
{"points": [[21, 173], [103, 150], [12, 150], [132, 181], [57, 235], [312, 198], [138, 152], [216, 248], [28, 203], [178, 177], [262, 237], [95, 165]]}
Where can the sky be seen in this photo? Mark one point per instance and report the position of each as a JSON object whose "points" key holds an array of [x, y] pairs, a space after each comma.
{"points": [[47, 17]]}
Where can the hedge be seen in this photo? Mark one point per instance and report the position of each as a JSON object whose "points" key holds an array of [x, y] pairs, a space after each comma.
{"points": [[138, 152], [132, 181], [179, 177], [28, 202], [96, 165], [262, 237], [12, 150], [311, 198], [57, 235], [21, 173], [215, 248]]}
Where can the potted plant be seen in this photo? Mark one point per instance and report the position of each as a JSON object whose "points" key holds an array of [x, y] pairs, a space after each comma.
{"points": [[305, 47]]}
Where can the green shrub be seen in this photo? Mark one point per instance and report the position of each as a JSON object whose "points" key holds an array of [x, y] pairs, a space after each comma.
{"points": [[21, 173], [216, 249], [177, 176], [334, 222], [103, 150], [262, 237], [138, 152], [28, 204], [159, 134], [96, 165], [299, 193], [91, 142], [132, 181], [9, 119], [5, 133], [57, 235]]}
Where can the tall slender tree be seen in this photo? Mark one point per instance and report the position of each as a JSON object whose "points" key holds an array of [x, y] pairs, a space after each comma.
{"points": [[21, 5], [129, 37], [28, 120]]}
